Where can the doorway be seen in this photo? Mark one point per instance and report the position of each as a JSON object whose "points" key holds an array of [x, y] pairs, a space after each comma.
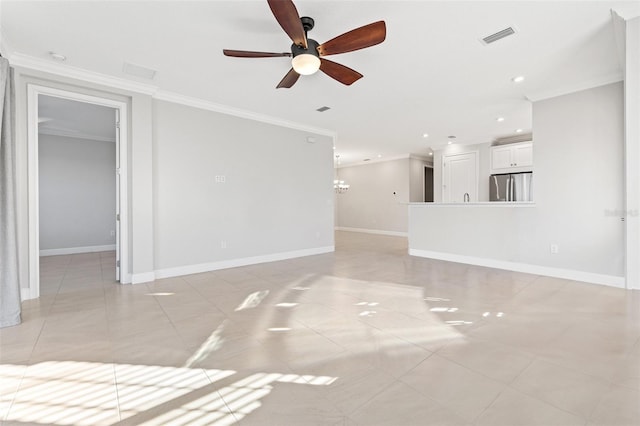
{"points": [[428, 184], [72, 139], [460, 178]]}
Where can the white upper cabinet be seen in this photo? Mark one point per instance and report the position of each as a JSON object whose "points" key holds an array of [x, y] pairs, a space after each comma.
{"points": [[515, 157]]}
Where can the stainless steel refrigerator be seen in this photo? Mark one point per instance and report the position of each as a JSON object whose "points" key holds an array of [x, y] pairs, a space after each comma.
{"points": [[511, 187]]}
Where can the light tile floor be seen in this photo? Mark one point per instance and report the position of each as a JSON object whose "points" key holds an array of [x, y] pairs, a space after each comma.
{"points": [[364, 336]]}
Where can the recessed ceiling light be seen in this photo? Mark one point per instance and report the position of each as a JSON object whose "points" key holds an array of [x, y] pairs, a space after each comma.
{"points": [[379, 155], [518, 130], [334, 148], [425, 135], [57, 56], [431, 153], [500, 119], [518, 79], [449, 143]]}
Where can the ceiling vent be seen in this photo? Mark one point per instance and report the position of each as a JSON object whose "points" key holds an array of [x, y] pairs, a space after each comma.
{"points": [[323, 109], [499, 35], [138, 71]]}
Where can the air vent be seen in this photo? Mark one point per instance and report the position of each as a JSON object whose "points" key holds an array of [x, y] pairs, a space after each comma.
{"points": [[323, 109], [138, 71], [499, 35]]}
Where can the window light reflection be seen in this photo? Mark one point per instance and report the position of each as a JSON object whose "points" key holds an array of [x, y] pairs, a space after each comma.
{"points": [[286, 305], [212, 344], [253, 300], [111, 393], [460, 322], [443, 309], [436, 299]]}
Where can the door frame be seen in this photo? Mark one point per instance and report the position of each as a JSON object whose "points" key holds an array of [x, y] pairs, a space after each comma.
{"points": [[477, 178], [33, 91]]}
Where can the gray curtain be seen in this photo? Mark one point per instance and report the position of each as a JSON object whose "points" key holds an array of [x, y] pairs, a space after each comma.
{"points": [[10, 308]]}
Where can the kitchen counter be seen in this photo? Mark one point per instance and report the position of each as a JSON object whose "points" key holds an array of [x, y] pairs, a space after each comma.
{"points": [[479, 204]]}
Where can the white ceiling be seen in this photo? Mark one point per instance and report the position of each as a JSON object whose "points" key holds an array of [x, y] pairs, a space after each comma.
{"points": [[431, 75]]}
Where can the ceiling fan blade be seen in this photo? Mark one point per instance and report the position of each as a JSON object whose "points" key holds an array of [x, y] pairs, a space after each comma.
{"points": [[288, 80], [344, 75], [248, 54], [287, 16], [362, 37]]}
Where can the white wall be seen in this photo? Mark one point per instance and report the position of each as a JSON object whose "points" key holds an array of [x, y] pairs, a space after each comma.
{"points": [[579, 202], [77, 192], [416, 179], [370, 203], [304, 169], [483, 168], [277, 196]]}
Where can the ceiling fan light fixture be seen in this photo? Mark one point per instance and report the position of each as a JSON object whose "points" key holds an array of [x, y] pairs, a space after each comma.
{"points": [[306, 64]]}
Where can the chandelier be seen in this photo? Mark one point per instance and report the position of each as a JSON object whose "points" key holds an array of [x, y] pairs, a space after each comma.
{"points": [[339, 186]]}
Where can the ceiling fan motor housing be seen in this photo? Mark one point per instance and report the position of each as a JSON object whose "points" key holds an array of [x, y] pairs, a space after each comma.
{"points": [[312, 48]]}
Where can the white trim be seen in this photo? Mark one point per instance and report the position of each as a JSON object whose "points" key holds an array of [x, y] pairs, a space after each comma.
{"points": [[627, 11], [29, 62], [145, 277], [33, 91], [569, 274], [374, 160], [76, 250], [26, 61], [164, 95], [74, 135], [565, 90], [232, 263], [372, 231], [32, 197]]}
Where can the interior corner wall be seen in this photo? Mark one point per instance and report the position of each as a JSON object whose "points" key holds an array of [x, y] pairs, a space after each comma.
{"points": [[229, 188], [579, 194], [632, 150], [377, 197], [77, 189]]}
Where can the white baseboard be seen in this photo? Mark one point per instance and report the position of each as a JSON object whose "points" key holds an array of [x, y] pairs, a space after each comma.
{"points": [[372, 231], [145, 277], [232, 263], [76, 250], [569, 274]]}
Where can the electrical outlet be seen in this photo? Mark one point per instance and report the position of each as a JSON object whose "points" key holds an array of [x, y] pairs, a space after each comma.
{"points": [[221, 179], [554, 248], [223, 244]]}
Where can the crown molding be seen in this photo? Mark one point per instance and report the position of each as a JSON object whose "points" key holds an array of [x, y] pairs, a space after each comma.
{"points": [[163, 95], [565, 90], [25, 61], [29, 62], [627, 11], [375, 161]]}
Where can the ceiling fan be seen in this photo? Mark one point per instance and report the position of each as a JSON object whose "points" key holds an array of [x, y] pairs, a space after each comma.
{"points": [[307, 54]]}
